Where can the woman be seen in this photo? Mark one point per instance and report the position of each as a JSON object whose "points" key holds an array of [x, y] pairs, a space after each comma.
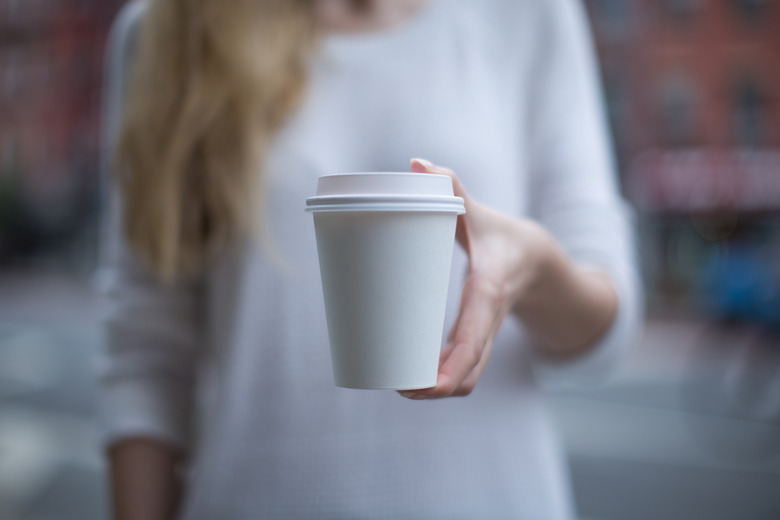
{"points": [[217, 379]]}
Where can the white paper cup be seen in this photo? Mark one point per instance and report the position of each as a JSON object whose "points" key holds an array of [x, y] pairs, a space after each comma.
{"points": [[385, 244]]}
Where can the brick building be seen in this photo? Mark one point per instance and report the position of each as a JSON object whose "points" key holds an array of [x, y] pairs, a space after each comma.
{"points": [[51, 56], [693, 88], [693, 92]]}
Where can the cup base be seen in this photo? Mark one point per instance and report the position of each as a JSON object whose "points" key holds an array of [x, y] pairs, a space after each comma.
{"points": [[401, 387]]}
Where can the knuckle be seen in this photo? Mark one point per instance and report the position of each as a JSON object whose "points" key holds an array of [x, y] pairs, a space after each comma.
{"points": [[465, 389], [472, 356], [488, 287], [445, 389]]}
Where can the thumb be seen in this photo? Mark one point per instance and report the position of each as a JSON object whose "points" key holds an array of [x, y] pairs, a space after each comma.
{"points": [[425, 166]]}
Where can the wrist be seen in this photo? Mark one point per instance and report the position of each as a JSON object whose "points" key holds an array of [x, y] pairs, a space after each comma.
{"points": [[543, 258]]}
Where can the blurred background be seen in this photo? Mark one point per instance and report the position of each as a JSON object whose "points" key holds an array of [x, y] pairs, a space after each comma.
{"points": [[690, 426]]}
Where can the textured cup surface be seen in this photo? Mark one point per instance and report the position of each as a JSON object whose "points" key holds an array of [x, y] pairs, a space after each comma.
{"points": [[385, 259]]}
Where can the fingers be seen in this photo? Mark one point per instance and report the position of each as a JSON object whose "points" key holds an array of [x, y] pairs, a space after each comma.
{"points": [[463, 359], [477, 322], [468, 384], [469, 342]]}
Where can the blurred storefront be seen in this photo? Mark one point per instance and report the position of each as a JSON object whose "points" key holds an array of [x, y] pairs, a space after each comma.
{"points": [[688, 428], [693, 95], [51, 54]]}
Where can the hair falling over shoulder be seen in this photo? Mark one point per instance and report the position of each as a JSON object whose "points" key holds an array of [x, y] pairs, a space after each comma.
{"points": [[212, 82]]}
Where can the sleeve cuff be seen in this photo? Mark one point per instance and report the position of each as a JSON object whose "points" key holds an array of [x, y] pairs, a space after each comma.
{"points": [[140, 407], [598, 363]]}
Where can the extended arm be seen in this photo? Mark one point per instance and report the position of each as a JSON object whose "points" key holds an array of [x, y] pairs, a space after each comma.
{"points": [[515, 265], [152, 339], [567, 271], [145, 480]]}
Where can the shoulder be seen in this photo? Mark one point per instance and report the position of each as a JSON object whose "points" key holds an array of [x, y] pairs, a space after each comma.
{"points": [[119, 52], [521, 25], [533, 17], [129, 17], [124, 33]]}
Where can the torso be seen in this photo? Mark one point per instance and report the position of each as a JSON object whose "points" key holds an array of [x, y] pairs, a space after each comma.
{"points": [[444, 87]]}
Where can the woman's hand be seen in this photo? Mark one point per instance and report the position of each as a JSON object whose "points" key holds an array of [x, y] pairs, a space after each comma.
{"points": [[504, 254], [514, 265]]}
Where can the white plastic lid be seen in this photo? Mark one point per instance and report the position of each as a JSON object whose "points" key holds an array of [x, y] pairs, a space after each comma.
{"points": [[385, 191]]}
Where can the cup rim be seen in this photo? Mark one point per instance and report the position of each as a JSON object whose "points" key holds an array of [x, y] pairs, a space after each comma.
{"points": [[385, 191], [426, 203]]}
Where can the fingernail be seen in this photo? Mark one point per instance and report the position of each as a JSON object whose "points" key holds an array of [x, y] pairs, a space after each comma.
{"points": [[425, 162], [415, 395]]}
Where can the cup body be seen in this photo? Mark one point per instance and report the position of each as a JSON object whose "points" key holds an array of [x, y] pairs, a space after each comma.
{"points": [[385, 273]]}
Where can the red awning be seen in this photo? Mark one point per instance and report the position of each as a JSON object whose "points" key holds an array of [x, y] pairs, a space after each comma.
{"points": [[705, 180]]}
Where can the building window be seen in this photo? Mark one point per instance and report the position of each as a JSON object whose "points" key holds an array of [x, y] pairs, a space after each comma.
{"points": [[612, 16], [678, 112], [616, 104], [750, 10], [80, 71], [86, 5], [11, 77], [8, 155], [680, 9], [13, 10], [751, 114], [44, 151], [46, 68]]}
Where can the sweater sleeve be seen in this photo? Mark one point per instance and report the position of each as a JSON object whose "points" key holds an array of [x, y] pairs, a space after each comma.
{"points": [[151, 331], [573, 187]]}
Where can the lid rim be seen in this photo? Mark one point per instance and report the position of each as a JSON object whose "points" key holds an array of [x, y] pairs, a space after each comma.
{"points": [[321, 200], [408, 208], [385, 191]]}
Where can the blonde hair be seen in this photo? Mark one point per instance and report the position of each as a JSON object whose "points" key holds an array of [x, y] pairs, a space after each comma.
{"points": [[212, 81]]}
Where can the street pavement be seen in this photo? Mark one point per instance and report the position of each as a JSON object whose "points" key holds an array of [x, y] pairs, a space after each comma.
{"points": [[50, 463], [688, 428]]}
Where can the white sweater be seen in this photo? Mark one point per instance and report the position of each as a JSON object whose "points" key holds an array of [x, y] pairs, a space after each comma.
{"points": [[236, 366]]}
